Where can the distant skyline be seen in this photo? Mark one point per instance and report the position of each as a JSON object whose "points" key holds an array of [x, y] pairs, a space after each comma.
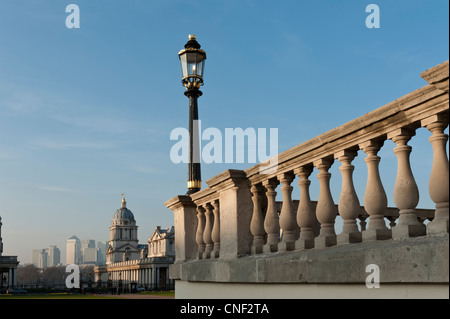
{"points": [[86, 114], [63, 250]]}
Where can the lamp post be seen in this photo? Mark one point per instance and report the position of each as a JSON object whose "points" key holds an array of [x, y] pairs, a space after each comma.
{"points": [[192, 60]]}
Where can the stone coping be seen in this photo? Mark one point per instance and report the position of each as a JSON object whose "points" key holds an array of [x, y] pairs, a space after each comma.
{"points": [[414, 260]]}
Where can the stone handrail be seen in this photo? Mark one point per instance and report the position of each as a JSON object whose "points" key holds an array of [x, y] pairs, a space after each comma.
{"points": [[250, 220]]}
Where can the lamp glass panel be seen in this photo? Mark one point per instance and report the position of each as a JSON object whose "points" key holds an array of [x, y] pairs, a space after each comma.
{"points": [[192, 63], [201, 66], [184, 68]]}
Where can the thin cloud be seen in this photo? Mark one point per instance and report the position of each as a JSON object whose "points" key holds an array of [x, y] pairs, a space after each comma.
{"points": [[22, 103], [66, 145], [58, 189]]}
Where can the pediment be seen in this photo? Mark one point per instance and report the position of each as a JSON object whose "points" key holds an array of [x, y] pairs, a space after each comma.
{"points": [[124, 247]]}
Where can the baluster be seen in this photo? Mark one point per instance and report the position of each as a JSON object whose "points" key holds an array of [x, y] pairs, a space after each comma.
{"points": [[326, 211], [349, 207], [207, 238], [306, 217], [287, 216], [271, 222], [406, 193], [375, 200], [200, 229], [216, 229], [257, 223], [439, 179]]}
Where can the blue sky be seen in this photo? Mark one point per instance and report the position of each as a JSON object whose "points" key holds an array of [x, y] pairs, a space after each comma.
{"points": [[86, 114]]}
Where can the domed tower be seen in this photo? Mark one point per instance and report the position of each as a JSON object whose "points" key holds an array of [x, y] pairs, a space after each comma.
{"points": [[123, 239]]}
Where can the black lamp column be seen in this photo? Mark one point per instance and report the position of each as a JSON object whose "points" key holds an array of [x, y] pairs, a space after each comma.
{"points": [[194, 182], [192, 60]]}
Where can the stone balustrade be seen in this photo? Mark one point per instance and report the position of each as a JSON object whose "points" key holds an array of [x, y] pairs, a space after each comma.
{"points": [[237, 214]]}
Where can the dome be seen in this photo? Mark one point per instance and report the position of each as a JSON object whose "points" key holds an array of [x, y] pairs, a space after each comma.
{"points": [[123, 216]]}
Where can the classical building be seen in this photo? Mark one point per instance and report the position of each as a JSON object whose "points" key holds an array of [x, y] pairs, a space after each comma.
{"points": [[162, 242], [129, 264], [8, 267], [123, 239]]}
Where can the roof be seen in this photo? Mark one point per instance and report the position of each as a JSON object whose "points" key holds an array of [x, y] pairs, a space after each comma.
{"points": [[124, 214]]}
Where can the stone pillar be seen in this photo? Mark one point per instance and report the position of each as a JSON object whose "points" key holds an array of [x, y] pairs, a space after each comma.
{"points": [[287, 216], [406, 193], [326, 211], [216, 229], [375, 200], [207, 235], [306, 217], [233, 188], [185, 223], [152, 278], [144, 280], [271, 222], [438, 186], [12, 277], [257, 222], [349, 206], [200, 229]]}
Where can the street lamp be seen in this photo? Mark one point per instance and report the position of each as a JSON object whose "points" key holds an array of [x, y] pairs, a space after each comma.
{"points": [[192, 60]]}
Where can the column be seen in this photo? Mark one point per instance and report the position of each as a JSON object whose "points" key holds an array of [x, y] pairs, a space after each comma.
{"points": [[139, 276], [233, 188], [151, 278], [306, 217], [185, 222], [216, 229], [199, 234], [257, 222], [157, 282], [288, 221], [406, 193], [326, 211], [12, 278], [438, 186], [271, 222], [349, 207], [375, 200], [207, 234]]}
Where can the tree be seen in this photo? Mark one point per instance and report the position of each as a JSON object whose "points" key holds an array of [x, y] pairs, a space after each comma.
{"points": [[54, 276], [28, 275]]}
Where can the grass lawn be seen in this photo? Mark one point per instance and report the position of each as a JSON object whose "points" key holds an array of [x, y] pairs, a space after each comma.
{"points": [[56, 296], [79, 296], [159, 293]]}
